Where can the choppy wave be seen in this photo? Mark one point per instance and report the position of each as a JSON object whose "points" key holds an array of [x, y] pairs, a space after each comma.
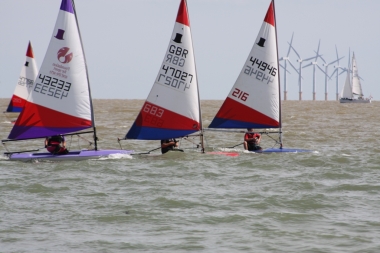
{"points": [[325, 201]]}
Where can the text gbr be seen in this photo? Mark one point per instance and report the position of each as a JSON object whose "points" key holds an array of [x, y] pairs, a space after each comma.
{"points": [[173, 76]]}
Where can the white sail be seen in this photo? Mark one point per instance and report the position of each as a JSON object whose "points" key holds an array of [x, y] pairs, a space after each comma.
{"points": [[254, 100], [356, 86], [172, 108], [25, 82], [352, 91], [60, 100], [347, 90]]}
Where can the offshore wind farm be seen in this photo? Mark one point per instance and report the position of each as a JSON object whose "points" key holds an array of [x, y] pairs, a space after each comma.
{"points": [[313, 62]]}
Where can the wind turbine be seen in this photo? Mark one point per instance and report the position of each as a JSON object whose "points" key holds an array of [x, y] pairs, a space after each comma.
{"points": [[314, 63], [337, 67], [286, 59], [326, 69], [300, 60]]}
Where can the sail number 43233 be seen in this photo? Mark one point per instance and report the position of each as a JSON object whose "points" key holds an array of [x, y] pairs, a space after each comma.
{"points": [[240, 94]]}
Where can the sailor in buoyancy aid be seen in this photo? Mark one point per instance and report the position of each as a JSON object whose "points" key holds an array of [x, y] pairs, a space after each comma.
{"points": [[56, 144], [168, 144], [252, 140]]}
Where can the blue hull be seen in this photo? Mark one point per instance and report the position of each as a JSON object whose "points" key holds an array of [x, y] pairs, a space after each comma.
{"points": [[283, 150], [71, 156]]}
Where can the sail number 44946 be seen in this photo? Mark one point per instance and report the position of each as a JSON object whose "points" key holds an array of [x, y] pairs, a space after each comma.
{"points": [[260, 71]]}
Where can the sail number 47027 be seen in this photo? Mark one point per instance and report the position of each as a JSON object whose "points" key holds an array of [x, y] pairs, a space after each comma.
{"points": [[240, 94]]}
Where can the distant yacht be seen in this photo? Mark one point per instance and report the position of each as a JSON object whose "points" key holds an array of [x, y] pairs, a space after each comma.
{"points": [[353, 87]]}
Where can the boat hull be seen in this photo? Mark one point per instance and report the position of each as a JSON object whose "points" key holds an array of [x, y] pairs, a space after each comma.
{"points": [[354, 101], [71, 156], [282, 150], [225, 153]]}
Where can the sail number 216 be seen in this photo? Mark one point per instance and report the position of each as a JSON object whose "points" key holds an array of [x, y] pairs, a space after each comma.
{"points": [[240, 94]]}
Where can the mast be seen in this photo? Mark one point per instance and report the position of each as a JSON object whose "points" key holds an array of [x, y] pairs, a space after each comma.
{"points": [[88, 80], [199, 99], [278, 77]]}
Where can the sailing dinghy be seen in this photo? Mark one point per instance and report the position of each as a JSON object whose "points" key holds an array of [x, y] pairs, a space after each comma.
{"points": [[172, 109], [352, 86], [60, 101], [255, 99], [24, 85]]}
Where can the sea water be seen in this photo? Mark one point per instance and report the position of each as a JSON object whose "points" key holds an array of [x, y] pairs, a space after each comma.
{"points": [[323, 201]]}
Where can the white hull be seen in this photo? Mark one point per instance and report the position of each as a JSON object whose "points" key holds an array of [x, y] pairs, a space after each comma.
{"points": [[354, 100], [77, 155]]}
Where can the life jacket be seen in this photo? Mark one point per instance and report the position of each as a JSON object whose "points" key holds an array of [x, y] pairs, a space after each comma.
{"points": [[165, 150], [252, 135]]}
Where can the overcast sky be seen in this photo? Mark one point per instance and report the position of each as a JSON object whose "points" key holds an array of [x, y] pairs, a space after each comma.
{"points": [[125, 41]]}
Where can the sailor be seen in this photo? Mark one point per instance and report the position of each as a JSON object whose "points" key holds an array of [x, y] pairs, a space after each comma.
{"points": [[56, 144], [252, 140], [168, 144]]}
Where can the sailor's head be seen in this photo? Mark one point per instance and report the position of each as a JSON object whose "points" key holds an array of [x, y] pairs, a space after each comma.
{"points": [[250, 129]]}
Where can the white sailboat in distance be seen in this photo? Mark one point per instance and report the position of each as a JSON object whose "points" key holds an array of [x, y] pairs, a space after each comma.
{"points": [[352, 91]]}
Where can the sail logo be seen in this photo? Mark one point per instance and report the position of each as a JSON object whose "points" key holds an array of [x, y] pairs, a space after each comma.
{"points": [[261, 42], [60, 34], [178, 38], [63, 56]]}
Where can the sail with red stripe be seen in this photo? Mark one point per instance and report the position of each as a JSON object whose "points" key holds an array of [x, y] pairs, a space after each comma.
{"points": [[25, 82], [60, 100], [254, 100], [172, 108]]}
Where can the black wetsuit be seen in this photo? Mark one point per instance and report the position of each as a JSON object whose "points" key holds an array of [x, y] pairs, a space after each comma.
{"points": [[164, 150]]}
